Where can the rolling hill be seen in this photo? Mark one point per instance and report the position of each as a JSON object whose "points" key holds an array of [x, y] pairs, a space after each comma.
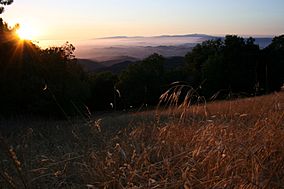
{"points": [[108, 49]]}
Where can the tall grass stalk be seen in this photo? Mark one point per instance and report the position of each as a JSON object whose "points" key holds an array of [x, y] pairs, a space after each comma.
{"points": [[192, 144]]}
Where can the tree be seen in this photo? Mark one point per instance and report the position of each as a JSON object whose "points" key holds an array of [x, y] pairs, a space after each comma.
{"points": [[104, 95], [142, 83], [4, 2], [19, 80], [272, 65], [196, 59], [241, 58], [39, 81], [67, 83], [214, 76], [229, 65]]}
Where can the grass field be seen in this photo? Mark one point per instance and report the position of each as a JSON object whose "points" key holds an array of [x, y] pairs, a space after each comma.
{"points": [[229, 144]]}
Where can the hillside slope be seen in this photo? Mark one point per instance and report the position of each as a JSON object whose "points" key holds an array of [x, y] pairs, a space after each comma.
{"points": [[226, 144]]}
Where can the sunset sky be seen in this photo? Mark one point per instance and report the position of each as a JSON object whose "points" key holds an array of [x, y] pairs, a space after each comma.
{"points": [[88, 19]]}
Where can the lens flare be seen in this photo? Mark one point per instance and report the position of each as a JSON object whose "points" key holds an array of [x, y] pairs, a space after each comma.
{"points": [[27, 32]]}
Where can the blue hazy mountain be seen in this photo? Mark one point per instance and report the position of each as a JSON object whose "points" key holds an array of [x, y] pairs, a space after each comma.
{"points": [[138, 47]]}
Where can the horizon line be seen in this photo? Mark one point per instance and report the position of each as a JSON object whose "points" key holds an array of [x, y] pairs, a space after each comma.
{"points": [[184, 35]]}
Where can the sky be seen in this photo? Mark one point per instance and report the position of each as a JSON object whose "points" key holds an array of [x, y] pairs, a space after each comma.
{"points": [[89, 19]]}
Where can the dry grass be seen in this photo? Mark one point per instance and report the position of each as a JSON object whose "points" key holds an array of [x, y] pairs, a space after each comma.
{"points": [[232, 144]]}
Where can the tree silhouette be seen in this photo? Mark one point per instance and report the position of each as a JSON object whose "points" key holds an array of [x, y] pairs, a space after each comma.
{"points": [[241, 57], [273, 65], [142, 83], [229, 65], [196, 59], [103, 91], [33, 80], [4, 2], [51, 82]]}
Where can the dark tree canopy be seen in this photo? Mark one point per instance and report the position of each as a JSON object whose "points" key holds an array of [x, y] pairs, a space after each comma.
{"points": [[4, 2], [52, 82], [104, 95], [142, 83], [236, 65], [39, 81], [273, 64]]}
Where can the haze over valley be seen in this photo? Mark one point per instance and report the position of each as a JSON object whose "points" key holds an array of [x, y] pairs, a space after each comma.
{"points": [[112, 48], [134, 94], [99, 53]]}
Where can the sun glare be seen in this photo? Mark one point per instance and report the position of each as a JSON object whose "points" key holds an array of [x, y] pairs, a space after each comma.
{"points": [[27, 32]]}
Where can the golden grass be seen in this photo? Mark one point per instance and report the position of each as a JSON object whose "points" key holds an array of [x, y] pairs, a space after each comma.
{"points": [[229, 144]]}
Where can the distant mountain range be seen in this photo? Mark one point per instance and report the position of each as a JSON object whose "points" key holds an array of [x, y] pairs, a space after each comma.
{"points": [[114, 53], [90, 65], [118, 66], [159, 36]]}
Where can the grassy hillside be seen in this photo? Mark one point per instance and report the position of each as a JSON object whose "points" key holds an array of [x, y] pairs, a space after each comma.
{"points": [[231, 144]]}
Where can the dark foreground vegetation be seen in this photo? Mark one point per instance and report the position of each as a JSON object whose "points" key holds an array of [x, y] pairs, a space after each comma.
{"points": [[51, 82], [231, 144]]}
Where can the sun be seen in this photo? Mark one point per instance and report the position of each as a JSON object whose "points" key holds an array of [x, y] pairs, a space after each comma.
{"points": [[27, 32]]}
